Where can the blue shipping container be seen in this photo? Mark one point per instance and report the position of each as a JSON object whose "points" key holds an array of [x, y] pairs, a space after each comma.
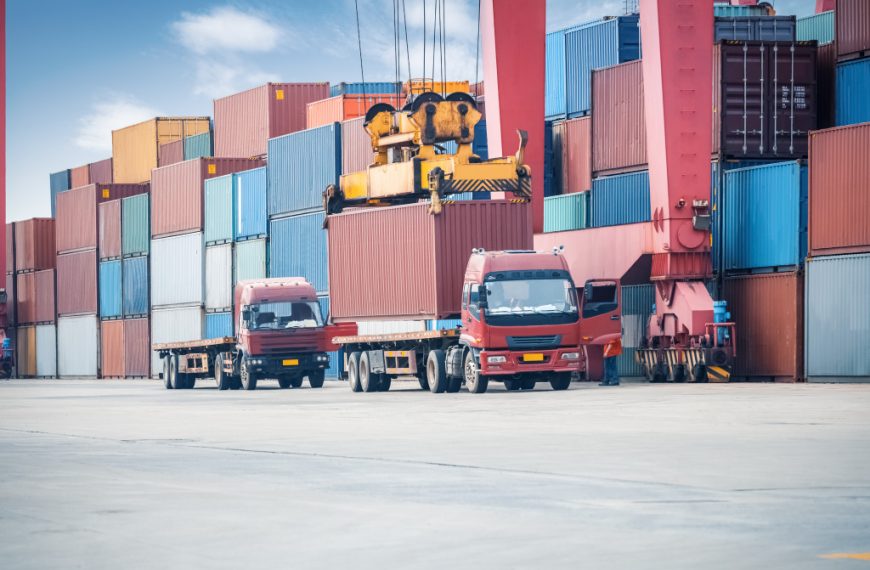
{"points": [[218, 325], [298, 249], [301, 166], [110, 289], [620, 199], [250, 191], [58, 181], [196, 146], [554, 71], [819, 27], [369, 87], [853, 85], [136, 286], [603, 43], [764, 217], [336, 359]]}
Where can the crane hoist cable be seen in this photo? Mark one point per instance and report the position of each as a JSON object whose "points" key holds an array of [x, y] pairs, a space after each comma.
{"points": [[359, 46]]}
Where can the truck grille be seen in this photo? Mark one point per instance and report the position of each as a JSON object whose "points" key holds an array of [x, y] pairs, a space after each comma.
{"points": [[527, 342]]}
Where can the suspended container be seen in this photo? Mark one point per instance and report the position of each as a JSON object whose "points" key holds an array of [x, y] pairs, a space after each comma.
{"points": [[219, 209], [818, 27], [174, 324], [298, 249], [77, 283], [109, 215], [250, 260], [110, 290], [135, 148], [301, 166], [218, 325], [135, 225], [853, 84], [219, 277], [620, 199], [618, 123], [177, 270], [78, 346], [77, 226], [249, 198], [566, 212], [46, 351], [135, 286]]}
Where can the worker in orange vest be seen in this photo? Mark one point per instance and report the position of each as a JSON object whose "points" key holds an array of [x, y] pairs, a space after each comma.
{"points": [[611, 350]]}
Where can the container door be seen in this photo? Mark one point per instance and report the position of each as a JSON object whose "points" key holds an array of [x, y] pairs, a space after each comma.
{"points": [[601, 311]]}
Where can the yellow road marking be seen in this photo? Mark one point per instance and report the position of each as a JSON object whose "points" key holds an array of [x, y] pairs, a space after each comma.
{"points": [[847, 556]]}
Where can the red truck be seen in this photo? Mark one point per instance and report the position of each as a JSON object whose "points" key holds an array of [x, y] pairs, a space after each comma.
{"points": [[280, 334], [522, 322]]}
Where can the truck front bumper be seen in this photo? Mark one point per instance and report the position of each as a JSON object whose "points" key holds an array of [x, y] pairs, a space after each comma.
{"points": [[288, 364], [511, 363]]}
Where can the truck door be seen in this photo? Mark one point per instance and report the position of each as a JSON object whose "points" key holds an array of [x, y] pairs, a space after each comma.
{"points": [[600, 311]]}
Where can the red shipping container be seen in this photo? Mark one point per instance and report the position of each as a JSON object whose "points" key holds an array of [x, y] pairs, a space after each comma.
{"points": [[577, 155], [839, 190], [101, 171], [77, 283], [853, 29], [25, 289], [35, 244], [45, 296], [10, 247], [170, 153], [79, 176], [11, 300], [618, 120], [110, 229], [77, 214], [244, 122], [35, 296], [137, 348], [345, 107], [112, 349], [768, 309], [356, 146], [177, 191], [404, 263]]}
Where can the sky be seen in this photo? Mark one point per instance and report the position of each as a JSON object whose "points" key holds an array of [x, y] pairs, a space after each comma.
{"points": [[78, 69]]}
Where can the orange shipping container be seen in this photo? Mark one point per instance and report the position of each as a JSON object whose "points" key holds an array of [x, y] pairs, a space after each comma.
{"points": [[112, 349], [77, 213], [417, 86], [34, 244], [134, 148], [25, 347], [345, 107], [577, 155]]}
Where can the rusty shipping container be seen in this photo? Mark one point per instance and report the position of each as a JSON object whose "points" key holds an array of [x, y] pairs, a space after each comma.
{"points": [[77, 279], [618, 121], [403, 263], [243, 122], [79, 176], [170, 153], [78, 216], [35, 297], [576, 161], [134, 148], [34, 244], [345, 107], [137, 348], [100, 171], [356, 146], [109, 215], [112, 349], [769, 312], [177, 192], [46, 300], [853, 29], [25, 350], [839, 193]]}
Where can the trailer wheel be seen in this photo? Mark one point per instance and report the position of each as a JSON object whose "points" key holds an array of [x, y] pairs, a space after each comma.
{"points": [[561, 381], [474, 380], [424, 384], [353, 372], [249, 379], [385, 384], [167, 379], [180, 381], [369, 381], [436, 372], [221, 378], [315, 379]]}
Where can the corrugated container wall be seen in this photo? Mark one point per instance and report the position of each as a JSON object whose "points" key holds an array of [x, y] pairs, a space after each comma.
{"points": [[853, 85], [110, 289], [177, 270], [77, 224], [301, 166], [566, 212], [35, 244], [135, 286], [219, 209], [58, 182], [244, 122], [109, 216], [219, 277], [197, 146], [839, 190], [853, 28], [135, 225], [79, 176], [25, 351], [250, 261], [135, 148], [25, 292], [77, 283], [637, 302], [755, 28], [46, 299], [554, 86], [46, 351], [367, 88], [137, 348], [11, 300], [356, 146], [174, 325], [35, 297], [10, 247], [249, 198], [218, 325], [576, 162], [101, 171], [177, 191], [727, 10], [826, 73], [112, 349], [298, 249], [618, 120], [170, 153], [344, 107], [818, 27], [620, 199], [769, 310], [423, 280], [78, 346]]}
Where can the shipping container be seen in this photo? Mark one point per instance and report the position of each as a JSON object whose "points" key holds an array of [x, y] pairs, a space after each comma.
{"points": [[170, 153], [219, 209], [11, 301], [111, 305], [219, 277], [177, 270], [755, 28], [77, 226], [554, 73], [721, 9], [137, 348], [826, 73], [243, 122], [768, 310], [442, 324], [620, 199], [818, 27], [403, 263], [109, 216], [853, 29], [344, 107], [46, 351], [174, 324], [853, 85], [100, 172], [58, 182], [356, 146], [79, 176], [218, 325], [135, 225], [301, 166], [618, 121], [77, 283], [25, 351], [40, 288], [197, 146], [421, 85], [25, 292], [838, 319], [177, 192], [134, 148], [576, 162], [839, 190], [249, 198], [10, 247], [78, 346], [365, 88], [298, 249], [135, 286], [392, 327], [566, 212], [112, 349], [552, 181], [250, 260], [765, 217], [34, 244]]}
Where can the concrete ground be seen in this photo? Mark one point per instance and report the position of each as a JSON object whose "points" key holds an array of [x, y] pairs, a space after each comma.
{"points": [[124, 474]]}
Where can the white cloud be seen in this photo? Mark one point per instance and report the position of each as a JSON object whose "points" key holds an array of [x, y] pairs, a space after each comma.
{"points": [[566, 13], [95, 128], [226, 29], [218, 79]]}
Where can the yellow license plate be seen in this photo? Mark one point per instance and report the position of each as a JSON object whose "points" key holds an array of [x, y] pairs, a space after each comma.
{"points": [[290, 362], [533, 357]]}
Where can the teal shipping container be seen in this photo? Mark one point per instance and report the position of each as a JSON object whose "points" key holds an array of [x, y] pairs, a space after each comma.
{"points": [[219, 209], [249, 197], [367, 88], [301, 166], [566, 212], [135, 290], [135, 225], [819, 27], [58, 182], [620, 199], [250, 261], [298, 249], [727, 10], [110, 289], [197, 146], [851, 94], [218, 325]]}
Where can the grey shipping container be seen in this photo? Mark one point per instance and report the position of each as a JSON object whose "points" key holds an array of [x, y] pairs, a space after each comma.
{"points": [[755, 28], [298, 249]]}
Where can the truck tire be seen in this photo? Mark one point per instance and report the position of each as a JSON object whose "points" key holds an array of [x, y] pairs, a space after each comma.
{"points": [[369, 381], [474, 380], [353, 372], [296, 382], [453, 385], [386, 382], [436, 371], [249, 379], [561, 381], [167, 380], [315, 379], [285, 382], [221, 378], [424, 384], [528, 385], [513, 385], [178, 379]]}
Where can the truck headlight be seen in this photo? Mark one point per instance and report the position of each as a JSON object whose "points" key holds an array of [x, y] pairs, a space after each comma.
{"points": [[571, 356], [322, 358], [496, 359]]}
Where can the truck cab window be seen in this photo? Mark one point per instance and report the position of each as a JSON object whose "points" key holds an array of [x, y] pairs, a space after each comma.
{"points": [[598, 299], [284, 315], [474, 301], [465, 289]]}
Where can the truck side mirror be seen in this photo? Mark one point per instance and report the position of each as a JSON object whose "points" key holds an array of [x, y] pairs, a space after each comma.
{"points": [[246, 315], [482, 301], [588, 292]]}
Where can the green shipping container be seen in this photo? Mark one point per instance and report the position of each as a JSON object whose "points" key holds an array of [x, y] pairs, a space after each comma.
{"points": [[197, 146], [819, 27], [219, 209], [135, 225], [566, 212], [250, 261]]}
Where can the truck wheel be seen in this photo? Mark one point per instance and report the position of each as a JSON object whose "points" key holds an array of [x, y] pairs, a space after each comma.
{"points": [[284, 382], [424, 384], [512, 385], [528, 384], [167, 379], [315, 379], [368, 380], [296, 382], [386, 382], [436, 371], [561, 381], [453, 385], [474, 380], [249, 379], [221, 378], [353, 372], [178, 379]]}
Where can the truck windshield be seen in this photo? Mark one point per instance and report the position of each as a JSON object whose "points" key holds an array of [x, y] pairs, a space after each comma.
{"points": [[285, 315], [549, 300]]}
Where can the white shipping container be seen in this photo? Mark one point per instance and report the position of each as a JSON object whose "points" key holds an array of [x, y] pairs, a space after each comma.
{"points": [[219, 277], [249, 260], [46, 351], [78, 346], [176, 270], [174, 324], [390, 327]]}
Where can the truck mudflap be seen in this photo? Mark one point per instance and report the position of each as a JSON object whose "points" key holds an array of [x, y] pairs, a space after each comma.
{"points": [[510, 363]]}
